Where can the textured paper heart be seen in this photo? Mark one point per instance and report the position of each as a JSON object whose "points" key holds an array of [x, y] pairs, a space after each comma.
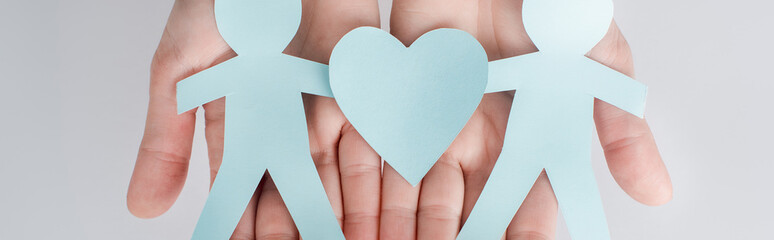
{"points": [[410, 103]]}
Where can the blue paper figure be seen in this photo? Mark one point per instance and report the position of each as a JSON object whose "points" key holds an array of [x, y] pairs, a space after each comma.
{"points": [[265, 125], [550, 124]]}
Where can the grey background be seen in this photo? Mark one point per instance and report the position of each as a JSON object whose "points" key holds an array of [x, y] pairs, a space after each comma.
{"points": [[73, 93]]}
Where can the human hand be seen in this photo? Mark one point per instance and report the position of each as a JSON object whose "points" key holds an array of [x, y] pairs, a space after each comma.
{"points": [[191, 43], [440, 204], [348, 167]]}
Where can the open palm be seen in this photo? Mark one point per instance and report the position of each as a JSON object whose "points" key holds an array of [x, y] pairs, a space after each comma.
{"points": [[371, 205], [349, 168], [450, 189]]}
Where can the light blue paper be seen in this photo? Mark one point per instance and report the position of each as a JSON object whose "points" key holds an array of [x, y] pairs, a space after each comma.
{"points": [[265, 125], [408, 103], [551, 121]]}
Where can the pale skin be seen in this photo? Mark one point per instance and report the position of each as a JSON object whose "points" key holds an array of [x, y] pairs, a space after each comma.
{"points": [[370, 205]]}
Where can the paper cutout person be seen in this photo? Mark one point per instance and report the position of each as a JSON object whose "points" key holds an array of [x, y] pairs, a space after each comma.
{"points": [[265, 128], [550, 124]]}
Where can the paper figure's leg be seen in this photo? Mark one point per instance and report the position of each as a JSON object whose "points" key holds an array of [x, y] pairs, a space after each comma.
{"points": [[508, 185], [576, 190], [302, 191], [237, 179]]}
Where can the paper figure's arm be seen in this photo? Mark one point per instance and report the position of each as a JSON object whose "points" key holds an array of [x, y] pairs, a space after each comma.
{"points": [[208, 85], [509, 73], [614, 87], [311, 76]]}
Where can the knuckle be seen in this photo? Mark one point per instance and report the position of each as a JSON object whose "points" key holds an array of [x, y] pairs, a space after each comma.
{"points": [[439, 212], [623, 143], [163, 156], [360, 217], [215, 113], [401, 212], [277, 236], [527, 235], [347, 128], [242, 236], [339, 217], [448, 161], [325, 158], [360, 170], [449, 157]]}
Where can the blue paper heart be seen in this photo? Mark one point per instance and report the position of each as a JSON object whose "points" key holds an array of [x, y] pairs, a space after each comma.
{"points": [[409, 104]]}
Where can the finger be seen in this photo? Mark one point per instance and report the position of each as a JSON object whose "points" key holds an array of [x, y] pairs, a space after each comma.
{"points": [[360, 168], [440, 201], [630, 149], [474, 185], [412, 18], [536, 218], [162, 161], [324, 121], [214, 115], [479, 145], [272, 219], [475, 180], [510, 37], [245, 229], [399, 207], [323, 23]]}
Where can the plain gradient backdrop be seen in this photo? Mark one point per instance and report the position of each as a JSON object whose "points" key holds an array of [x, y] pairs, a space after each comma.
{"points": [[74, 93]]}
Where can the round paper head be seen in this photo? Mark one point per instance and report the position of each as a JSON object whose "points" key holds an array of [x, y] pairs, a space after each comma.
{"points": [[258, 26], [567, 26]]}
